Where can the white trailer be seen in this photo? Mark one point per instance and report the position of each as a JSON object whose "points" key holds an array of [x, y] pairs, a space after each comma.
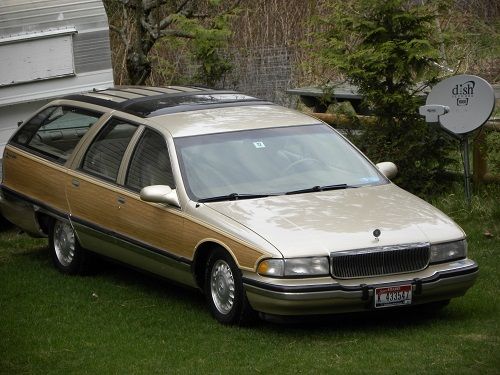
{"points": [[49, 48]]}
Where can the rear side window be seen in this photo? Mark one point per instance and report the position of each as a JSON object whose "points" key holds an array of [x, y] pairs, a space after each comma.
{"points": [[105, 154], [55, 131], [150, 164]]}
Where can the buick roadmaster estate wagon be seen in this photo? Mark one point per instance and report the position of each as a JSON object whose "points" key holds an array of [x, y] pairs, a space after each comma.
{"points": [[262, 208]]}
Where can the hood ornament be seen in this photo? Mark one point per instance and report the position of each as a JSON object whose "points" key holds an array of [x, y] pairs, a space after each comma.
{"points": [[376, 234]]}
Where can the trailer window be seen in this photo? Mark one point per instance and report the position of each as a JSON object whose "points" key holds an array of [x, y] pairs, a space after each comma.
{"points": [[55, 131]]}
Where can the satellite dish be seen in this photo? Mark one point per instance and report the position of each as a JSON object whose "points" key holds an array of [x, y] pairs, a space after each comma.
{"points": [[470, 100]]}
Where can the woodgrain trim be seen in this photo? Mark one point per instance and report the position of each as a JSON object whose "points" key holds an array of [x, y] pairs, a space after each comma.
{"points": [[36, 178], [130, 240], [245, 255]]}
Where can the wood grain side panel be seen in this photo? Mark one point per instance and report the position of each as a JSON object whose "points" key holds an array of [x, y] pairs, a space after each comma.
{"points": [[35, 178], [155, 225], [245, 256], [92, 202], [170, 230]]}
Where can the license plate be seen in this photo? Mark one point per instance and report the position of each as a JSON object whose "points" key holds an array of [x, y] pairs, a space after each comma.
{"points": [[393, 296]]}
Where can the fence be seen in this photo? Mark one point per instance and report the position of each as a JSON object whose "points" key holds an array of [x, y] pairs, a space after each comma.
{"points": [[265, 73]]}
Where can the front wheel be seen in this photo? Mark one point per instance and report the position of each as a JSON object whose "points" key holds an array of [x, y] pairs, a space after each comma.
{"points": [[67, 254], [224, 290]]}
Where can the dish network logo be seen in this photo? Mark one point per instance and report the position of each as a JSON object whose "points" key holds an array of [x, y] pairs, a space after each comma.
{"points": [[463, 92]]}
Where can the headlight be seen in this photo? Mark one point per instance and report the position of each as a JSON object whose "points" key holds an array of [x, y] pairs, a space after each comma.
{"points": [[445, 252], [294, 267]]}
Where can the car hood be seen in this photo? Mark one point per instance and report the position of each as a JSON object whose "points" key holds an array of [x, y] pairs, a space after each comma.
{"points": [[319, 223]]}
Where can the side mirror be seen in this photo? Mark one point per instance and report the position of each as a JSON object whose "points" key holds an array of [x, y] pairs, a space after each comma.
{"points": [[388, 169], [160, 194]]}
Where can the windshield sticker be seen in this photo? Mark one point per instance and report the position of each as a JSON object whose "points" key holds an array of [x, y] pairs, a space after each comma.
{"points": [[259, 145], [369, 179]]}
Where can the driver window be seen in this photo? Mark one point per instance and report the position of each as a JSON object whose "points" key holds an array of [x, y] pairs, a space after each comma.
{"points": [[150, 164]]}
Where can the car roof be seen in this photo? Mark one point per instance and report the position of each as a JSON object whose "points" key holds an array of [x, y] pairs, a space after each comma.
{"points": [[147, 102], [185, 111], [227, 119]]}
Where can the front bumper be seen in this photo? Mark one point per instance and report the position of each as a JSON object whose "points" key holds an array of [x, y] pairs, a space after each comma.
{"points": [[326, 295]]}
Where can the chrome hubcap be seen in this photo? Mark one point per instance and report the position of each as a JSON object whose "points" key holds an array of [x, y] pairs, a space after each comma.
{"points": [[222, 287], [64, 243]]}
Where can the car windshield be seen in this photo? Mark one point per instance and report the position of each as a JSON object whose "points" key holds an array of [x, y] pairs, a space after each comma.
{"points": [[273, 161]]}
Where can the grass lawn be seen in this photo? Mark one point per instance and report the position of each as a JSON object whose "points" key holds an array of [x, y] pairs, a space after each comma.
{"points": [[119, 321]]}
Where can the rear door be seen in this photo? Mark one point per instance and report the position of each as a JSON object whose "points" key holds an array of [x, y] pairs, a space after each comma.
{"points": [[94, 195]]}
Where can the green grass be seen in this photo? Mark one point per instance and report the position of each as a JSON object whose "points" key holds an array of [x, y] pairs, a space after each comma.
{"points": [[119, 321]]}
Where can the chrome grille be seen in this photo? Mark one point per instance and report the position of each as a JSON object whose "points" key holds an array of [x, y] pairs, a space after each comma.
{"points": [[378, 261]]}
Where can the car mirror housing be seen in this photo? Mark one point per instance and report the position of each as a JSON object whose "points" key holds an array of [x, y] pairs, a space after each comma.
{"points": [[388, 169], [160, 194]]}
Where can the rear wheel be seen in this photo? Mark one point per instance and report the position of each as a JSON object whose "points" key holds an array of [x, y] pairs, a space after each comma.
{"points": [[67, 254], [224, 290]]}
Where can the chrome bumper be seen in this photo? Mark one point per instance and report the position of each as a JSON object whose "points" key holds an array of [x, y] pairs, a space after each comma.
{"points": [[289, 297]]}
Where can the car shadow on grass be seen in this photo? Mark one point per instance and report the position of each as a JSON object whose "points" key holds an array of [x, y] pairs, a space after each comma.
{"points": [[123, 276], [112, 274], [393, 318]]}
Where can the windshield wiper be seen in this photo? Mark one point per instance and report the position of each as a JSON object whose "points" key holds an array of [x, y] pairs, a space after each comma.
{"points": [[232, 197], [320, 188], [238, 196]]}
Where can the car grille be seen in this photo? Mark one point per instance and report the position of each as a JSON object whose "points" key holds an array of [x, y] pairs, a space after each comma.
{"points": [[378, 261]]}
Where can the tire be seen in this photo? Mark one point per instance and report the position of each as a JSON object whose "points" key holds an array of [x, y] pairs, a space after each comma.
{"points": [[67, 254], [224, 292]]}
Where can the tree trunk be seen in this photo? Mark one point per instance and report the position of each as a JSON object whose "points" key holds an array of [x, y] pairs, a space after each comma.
{"points": [[138, 64]]}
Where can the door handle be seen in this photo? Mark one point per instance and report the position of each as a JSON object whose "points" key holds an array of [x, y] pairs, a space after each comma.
{"points": [[75, 182], [121, 200]]}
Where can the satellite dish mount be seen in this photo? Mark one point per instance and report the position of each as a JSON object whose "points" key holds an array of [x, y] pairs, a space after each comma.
{"points": [[460, 104]]}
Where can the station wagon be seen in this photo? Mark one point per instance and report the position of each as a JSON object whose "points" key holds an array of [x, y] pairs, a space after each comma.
{"points": [[262, 208]]}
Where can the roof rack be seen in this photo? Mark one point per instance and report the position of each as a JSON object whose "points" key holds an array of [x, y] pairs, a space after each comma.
{"points": [[145, 101]]}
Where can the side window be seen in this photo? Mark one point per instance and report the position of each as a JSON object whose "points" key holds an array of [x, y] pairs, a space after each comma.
{"points": [[104, 155], [55, 131], [150, 164]]}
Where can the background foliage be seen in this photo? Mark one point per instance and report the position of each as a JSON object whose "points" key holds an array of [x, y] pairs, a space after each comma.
{"points": [[386, 49]]}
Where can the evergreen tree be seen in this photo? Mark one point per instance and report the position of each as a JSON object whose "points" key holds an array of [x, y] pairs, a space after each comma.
{"points": [[387, 49]]}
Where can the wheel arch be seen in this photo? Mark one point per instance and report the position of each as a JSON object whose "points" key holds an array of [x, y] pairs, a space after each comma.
{"points": [[44, 220], [202, 253]]}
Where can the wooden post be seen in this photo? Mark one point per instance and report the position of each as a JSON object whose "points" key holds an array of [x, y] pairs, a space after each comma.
{"points": [[479, 164]]}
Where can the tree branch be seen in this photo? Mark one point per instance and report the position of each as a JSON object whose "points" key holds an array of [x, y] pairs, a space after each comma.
{"points": [[177, 33], [167, 21], [128, 3], [149, 28], [121, 33], [181, 7]]}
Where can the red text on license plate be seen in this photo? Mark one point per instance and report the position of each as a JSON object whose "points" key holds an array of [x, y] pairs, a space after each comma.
{"points": [[393, 296]]}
